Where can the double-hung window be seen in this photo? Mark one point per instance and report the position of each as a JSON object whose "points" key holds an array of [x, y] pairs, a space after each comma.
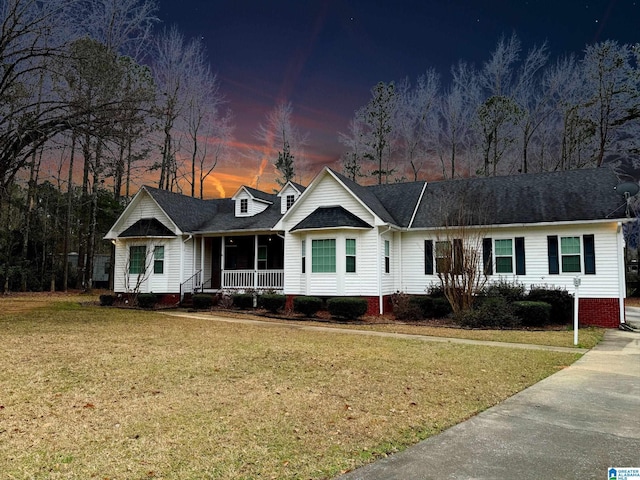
{"points": [[244, 205], [158, 260], [387, 257], [350, 250], [504, 256], [444, 257], [304, 256], [137, 259], [570, 253], [323, 256]]}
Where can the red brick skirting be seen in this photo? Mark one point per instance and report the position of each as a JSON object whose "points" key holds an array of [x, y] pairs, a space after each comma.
{"points": [[599, 312]]}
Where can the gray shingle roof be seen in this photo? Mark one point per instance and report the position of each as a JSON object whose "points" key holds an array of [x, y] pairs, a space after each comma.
{"points": [[572, 195], [196, 215], [330, 217]]}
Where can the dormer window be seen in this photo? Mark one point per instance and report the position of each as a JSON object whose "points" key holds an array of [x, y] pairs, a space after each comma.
{"points": [[290, 200], [244, 205]]}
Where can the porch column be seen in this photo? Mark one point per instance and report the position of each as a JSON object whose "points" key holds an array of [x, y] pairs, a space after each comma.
{"points": [[255, 262], [201, 258], [223, 243]]}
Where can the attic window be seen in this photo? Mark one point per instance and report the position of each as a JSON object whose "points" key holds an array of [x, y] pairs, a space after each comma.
{"points": [[244, 205], [290, 200]]}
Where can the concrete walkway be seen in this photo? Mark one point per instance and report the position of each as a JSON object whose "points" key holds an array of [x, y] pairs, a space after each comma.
{"points": [[571, 425], [372, 333]]}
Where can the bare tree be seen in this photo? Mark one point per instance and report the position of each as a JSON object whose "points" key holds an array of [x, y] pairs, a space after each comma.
{"points": [[278, 131], [357, 150], [123, 26], [458, 249], [217, 146], [612, 94], [415, 120]]}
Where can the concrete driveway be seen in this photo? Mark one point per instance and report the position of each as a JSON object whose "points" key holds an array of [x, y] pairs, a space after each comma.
{"points": [[572, 425]]}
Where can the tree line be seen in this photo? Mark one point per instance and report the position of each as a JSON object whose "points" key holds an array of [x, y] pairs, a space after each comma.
{"points": [[518, 112], [97, 94]]}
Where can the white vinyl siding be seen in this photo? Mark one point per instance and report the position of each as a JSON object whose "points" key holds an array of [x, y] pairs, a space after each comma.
{"points": [[604, 284]]}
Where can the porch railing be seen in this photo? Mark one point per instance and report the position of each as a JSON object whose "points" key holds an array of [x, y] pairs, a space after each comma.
{"points": [[257, 279]]}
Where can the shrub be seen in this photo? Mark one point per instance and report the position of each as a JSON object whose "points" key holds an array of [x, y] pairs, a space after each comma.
{"points": [[532, 314], [147, 300], [436, 290], [349, 308], [404, 308], [441, 307], [243, 301], [107, 300], [511, 292], [273, 302], [560, 300], [308, 306], [202, 301], [494, 312], [425, 305]]}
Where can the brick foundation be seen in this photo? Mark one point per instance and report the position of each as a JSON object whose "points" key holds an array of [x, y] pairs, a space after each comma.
{"points": [[599, 312]]}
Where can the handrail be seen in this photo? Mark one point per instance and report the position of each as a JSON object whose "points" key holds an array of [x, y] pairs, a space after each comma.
{"points": [[193, 284]]}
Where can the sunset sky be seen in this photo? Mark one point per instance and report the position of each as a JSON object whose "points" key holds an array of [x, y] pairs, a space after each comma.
{"points": [[325, 55]]}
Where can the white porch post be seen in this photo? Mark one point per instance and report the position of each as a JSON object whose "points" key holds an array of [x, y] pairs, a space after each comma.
{"points": [[255, 262], [201, 258], [223, 242]]}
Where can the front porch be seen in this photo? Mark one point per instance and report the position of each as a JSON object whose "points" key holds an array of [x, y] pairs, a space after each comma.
{"points": [[237, 262]]}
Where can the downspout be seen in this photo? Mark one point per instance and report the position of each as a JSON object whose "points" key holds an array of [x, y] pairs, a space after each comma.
{"points": [[621, 274], [380, 254]]}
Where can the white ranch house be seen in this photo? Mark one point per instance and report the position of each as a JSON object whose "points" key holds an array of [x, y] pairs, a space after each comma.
{"points": [[338, 238]]}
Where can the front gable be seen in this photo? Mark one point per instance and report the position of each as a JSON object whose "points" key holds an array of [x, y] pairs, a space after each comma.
{"points": [[326, 191], [142, 208]]}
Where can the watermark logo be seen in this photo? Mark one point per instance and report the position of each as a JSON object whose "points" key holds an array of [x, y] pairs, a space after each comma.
{"points": [[618, 473]]}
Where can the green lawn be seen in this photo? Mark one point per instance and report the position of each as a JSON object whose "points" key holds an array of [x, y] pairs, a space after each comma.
{"points": [[90, 392]]}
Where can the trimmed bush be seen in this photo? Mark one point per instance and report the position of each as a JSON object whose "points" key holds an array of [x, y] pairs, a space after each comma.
{"points": [[272, 302], [243, 301], [560, 300], [532, 314], [202, 301], [107, 300], [441, 307], [425, 305], [494, 312], [511, 292], [147, 300], [348, 308], [404, 308], [308, 306]]}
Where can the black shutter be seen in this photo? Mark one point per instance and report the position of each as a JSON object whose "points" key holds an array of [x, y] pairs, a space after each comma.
{"points": [[487, 255], [428, 257], [458, 256], [520, 263], [589, 255], [552, 249]]}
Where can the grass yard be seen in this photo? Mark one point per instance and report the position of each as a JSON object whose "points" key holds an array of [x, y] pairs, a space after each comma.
{"points": [[90, 392]]}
